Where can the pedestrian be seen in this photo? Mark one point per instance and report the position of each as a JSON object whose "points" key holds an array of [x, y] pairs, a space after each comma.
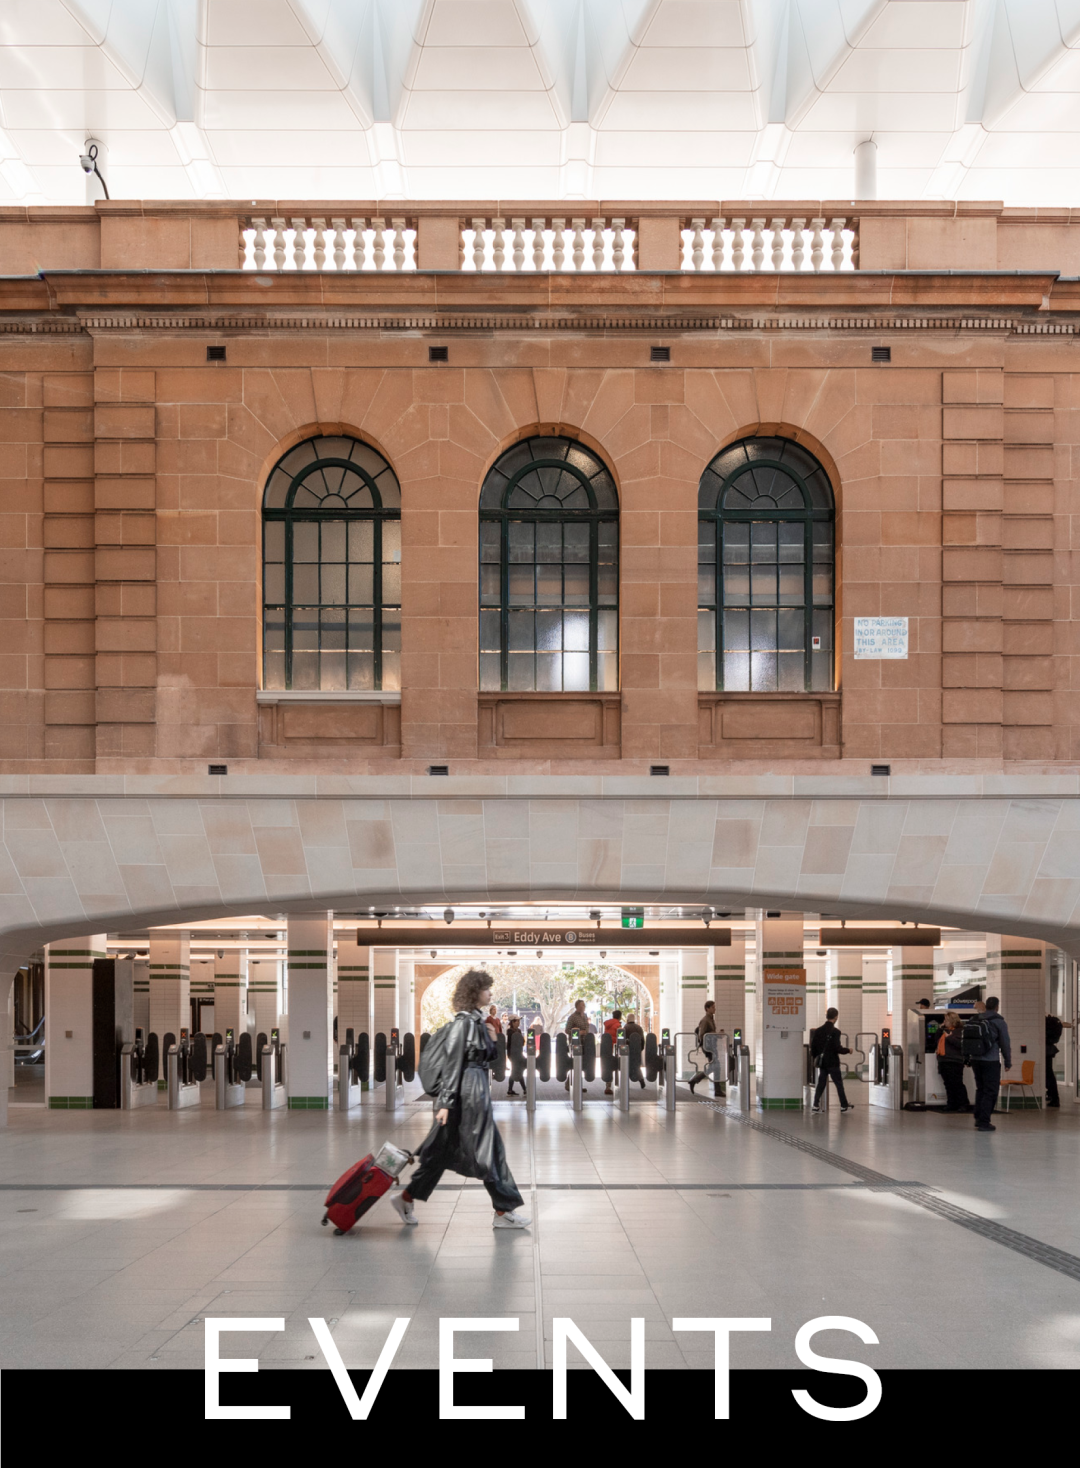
{"points": [[987, 1067], [493, 1022], [631, 1031], [1054, 1030], [577, 1022], [465, 1138], [706, 1025], [612, 1027], [922, 1004], [950, 1054], [517, 1067], [826, 1048]]}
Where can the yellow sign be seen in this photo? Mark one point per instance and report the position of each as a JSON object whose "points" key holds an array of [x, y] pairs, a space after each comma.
{"points": [[783, 996]]}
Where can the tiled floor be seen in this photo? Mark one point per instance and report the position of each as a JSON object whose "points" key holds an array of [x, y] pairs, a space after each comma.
{"points": [[119, 1232]]}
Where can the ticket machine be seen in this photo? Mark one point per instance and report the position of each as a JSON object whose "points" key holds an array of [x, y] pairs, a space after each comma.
{"points": [[925, 1086]]}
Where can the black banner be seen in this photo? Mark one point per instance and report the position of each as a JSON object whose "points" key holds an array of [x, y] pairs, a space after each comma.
{"points": [[512, 936]]}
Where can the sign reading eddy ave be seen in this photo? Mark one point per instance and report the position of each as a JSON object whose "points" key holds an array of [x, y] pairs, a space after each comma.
{"points": [[783, 1003], [881, 637], [541, 935]]}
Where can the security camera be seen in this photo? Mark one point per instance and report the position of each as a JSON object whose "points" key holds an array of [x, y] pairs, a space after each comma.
{"points": [[87, 161], [603, 953], [221, 953], [433, 953], [448, 916]]}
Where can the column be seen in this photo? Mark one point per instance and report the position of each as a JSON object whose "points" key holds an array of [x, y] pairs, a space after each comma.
{"points": [[142, 995], [847, 992], [311, 1018], [170, 985], [354, 987], [817, 996], [670, 998], [231, 993], [875, 996], [750, 989], [202, 973], [69, 1021], [729, 985], [1016, 973], [779, 1052], [264, 992], [694, 986], [385, 996]]}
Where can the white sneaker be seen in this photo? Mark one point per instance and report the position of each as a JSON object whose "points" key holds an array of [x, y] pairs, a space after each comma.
{"points": [[404, 1207], [815, 1108], [511, 1220]]}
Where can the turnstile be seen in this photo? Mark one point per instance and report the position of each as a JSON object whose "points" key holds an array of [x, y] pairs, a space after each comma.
{"points": [[394, 1083], [886, 1088], [182, 1092], [577, 1072], [274, 1075], [810, 1080], [530, 1071], [741, 1098], [623, 1095], [349, 1089], [133, 1091], [228, 1086], [665, 1076]]}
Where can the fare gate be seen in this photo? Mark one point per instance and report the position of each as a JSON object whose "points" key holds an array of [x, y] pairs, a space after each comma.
{"points": [[273, 1073]]}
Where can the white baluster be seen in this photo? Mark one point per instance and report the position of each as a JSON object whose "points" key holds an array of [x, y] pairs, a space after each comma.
{"points": [[299, 244], [379, 243], [359, 245], [578, 226], [259, 226], [598, 244], [697, 244], [618, 246], [478, 243], [558, 243], [498, 243], [398, 226], [797, 226], [777, 227], [279, 243], [319, 226], [738, 243], [717, 227], [338, 226], [817, 244], [518, 226], [537, 227], [757, 247], [837, 227]]}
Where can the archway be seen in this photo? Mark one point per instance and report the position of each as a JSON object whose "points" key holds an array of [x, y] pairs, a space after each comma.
{"points": [[546, 991]]}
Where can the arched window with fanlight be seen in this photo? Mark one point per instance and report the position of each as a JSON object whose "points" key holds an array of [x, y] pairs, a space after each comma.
{"points": [[332, 569], [549, 570], [765, 570]]}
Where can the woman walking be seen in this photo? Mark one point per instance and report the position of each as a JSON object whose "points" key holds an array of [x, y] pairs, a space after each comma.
{"points": [[465, 1138]]}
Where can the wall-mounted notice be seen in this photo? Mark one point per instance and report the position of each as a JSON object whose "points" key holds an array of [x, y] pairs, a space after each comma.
{"points": [[783, 992], [881, 637]]}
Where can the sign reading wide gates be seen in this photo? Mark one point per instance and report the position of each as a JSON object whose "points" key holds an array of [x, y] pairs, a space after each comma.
{"points": [[543, 935], [783, 998]]}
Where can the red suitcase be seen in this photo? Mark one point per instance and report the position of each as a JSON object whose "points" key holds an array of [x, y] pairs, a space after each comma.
{"points": [[362, 1186]]}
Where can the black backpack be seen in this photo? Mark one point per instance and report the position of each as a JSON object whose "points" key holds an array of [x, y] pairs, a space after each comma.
{"points": [[433, 1060], [1054, 1028], [978, 1038]]}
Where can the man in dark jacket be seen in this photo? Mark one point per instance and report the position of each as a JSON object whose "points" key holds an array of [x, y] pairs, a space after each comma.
{"points": [[826, 1049], [987, 1068], [1054, 1028]]}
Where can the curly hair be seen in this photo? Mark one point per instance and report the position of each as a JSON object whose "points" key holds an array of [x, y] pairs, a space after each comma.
{"points": [[469, 987]]}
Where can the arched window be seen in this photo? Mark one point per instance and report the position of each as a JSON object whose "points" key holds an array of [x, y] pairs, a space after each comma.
{"points": [[549, 570], [765, 570], [332, 569]]}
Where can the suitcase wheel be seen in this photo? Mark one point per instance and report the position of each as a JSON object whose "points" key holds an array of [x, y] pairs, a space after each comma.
{"points": [[338, 1233], [324, 1222]]}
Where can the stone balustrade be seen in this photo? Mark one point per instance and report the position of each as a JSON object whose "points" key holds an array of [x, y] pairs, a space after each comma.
{"points": [[305, 242], [770, 241]]}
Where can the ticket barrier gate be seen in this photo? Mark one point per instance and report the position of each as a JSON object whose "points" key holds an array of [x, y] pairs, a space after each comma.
{"points": [[666, 1071], [886, 1074], [183, 1087], [622, 1099], [352, 1071], [741, 1097], [530, 1071], [232, 1071], [137, 1086], [577, 1072], [275, 1093], [810, 1080]]}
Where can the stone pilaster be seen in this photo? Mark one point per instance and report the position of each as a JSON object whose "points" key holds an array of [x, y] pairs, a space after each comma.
{"points": [[69, 1021], [170, 984]]}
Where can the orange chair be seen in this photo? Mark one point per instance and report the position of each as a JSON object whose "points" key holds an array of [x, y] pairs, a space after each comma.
{"points": [[1026, 1082]]}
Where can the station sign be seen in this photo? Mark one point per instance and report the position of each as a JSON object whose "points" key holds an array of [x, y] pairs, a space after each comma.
{"points": [[880, 938], [509, 936], [783, 993]]}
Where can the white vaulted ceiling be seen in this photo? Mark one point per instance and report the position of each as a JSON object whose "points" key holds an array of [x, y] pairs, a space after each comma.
{"points": [[541, 99]]}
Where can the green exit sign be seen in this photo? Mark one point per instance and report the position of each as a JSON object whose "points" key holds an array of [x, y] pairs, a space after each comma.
{"points": [[633, 917]]}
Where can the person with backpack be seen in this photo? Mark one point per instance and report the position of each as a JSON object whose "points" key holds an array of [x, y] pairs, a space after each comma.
{"points": [[826, 1048], [455, 1068], [1054, 1030], [985, 1043], [950, 1064]]}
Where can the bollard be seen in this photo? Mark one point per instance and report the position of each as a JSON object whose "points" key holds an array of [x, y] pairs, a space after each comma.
{"points": [[623, 1099], [530, 1073], [576, 1073]]}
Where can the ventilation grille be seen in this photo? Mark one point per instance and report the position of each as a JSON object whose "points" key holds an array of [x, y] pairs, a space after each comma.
{"points": [[217, 769], [438, 769], [438, 354], [881, 769], [659, 354], [215, 354], [881, 354], [659, 769]]}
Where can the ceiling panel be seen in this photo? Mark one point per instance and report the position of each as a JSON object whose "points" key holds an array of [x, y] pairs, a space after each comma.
{"points": [[666, 98]]}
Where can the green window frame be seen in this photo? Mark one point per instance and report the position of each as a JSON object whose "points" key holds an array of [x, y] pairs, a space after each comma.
{"points": [[332, 569], [766, 530], [549, 570]]}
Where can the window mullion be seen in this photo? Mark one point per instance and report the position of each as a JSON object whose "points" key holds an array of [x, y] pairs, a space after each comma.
{"points": [[594, 589], [376, 597], [504, 602], [288, 617], [718, 593]]}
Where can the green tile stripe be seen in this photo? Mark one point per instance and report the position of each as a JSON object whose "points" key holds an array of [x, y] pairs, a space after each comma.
{"points": [[229, 984], [71, 1103], [84, 957], [307, 952], [349, 979], [386, 983], [912, 970], [169, 970], [308, 1103], [769, 957], [352, 968], [701, 983], [780, 1103]]}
